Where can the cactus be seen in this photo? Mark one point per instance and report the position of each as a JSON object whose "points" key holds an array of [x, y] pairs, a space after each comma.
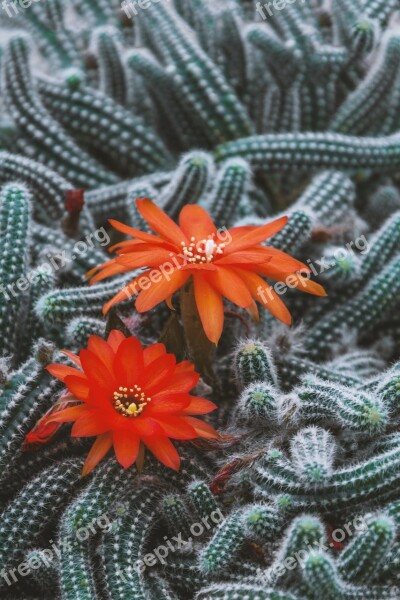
{"points": [[252, 116]]}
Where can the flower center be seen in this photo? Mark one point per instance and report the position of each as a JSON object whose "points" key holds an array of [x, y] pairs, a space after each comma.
{"points": [[130, 402], [202, 252]]}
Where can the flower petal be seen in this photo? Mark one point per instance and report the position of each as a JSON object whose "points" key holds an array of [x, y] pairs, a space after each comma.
{"points": [[78, 385], [266, 295], [73, 357], [160, 222], [128, 362], [177, 428], [115, 338], [210, 306], [229, 284], [157, 292], [157, 373], [126, 447], [152, 352], [128, 291], [149, 257], [250, 238], [62, 371], [196, 222], [199, 406], [102, 350], [88, 425], [167, 404], [202, 429], [135, 233], [97, 452], [164, 450], [98, 375], [67, 415]]}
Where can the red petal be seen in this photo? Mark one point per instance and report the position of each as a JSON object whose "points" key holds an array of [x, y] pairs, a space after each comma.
{"points": [[126, 447], [164, 450], [89, 425], [202, 429], [210, 307], [160, 222], [96, 372], [102, 350], [152, 352], [167, 404], [62, 371], [97, 452], [158, 373], [73, 357], [199, 406], [78, 385], [115, 337], [128, 362], [68, 414], [176, 428], [196, 222]]}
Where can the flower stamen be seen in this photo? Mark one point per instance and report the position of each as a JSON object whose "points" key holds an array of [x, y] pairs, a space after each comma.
{"points": [[130, 402], [201, 252]]}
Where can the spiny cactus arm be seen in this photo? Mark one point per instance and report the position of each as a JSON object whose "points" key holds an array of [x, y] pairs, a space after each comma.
{"points": [[15, 222], [48, 188], [31, 511], [112, 71], [254, 362], [359, 31], [259, 405], [363, 111], [176, 515], [166, 94], [229, 190], [323, 581], [387, 388], [219, 591], [75, 569], [313, 451], [292, 368], [157, 587], [366, 310], [111, 132], [309, 151], [363, 364], [382, 247], [80, 329], [123, 548], [216, 106], [51, 144], [42, 281], [46, 22], [188, 183], [379, 9], [382, 203], [44, 570], [363, 557], [97, 12], [63, 305], [373, 479], [282, 57], [358, 411], [203, 499]]}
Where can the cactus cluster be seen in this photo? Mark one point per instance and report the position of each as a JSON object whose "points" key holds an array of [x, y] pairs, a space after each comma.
{"points": [[252, 112]]}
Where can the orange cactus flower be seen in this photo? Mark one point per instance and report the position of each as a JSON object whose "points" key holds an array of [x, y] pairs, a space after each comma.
{"points": [[222, 263], [130, 398]]}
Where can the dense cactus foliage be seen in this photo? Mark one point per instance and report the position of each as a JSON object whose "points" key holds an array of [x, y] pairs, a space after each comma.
{"points": [[251, 111]]}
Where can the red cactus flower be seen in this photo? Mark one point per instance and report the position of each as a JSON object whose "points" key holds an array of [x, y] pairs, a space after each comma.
{"points": [[130, 396], [222, 263]]}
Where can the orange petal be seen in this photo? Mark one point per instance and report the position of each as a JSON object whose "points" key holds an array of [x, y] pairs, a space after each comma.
{"points": [[258, 235], [164, 450], [135, 233], [97, 452], [107, 269], [202, 429], [252, 310], [308, 286], [266, 295], [128, 291], [196, 222], [210, 306], [151, 257], [62, 371], [126, 447], [157, 292], [199, 406], [229, 284], [160, 222]]}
